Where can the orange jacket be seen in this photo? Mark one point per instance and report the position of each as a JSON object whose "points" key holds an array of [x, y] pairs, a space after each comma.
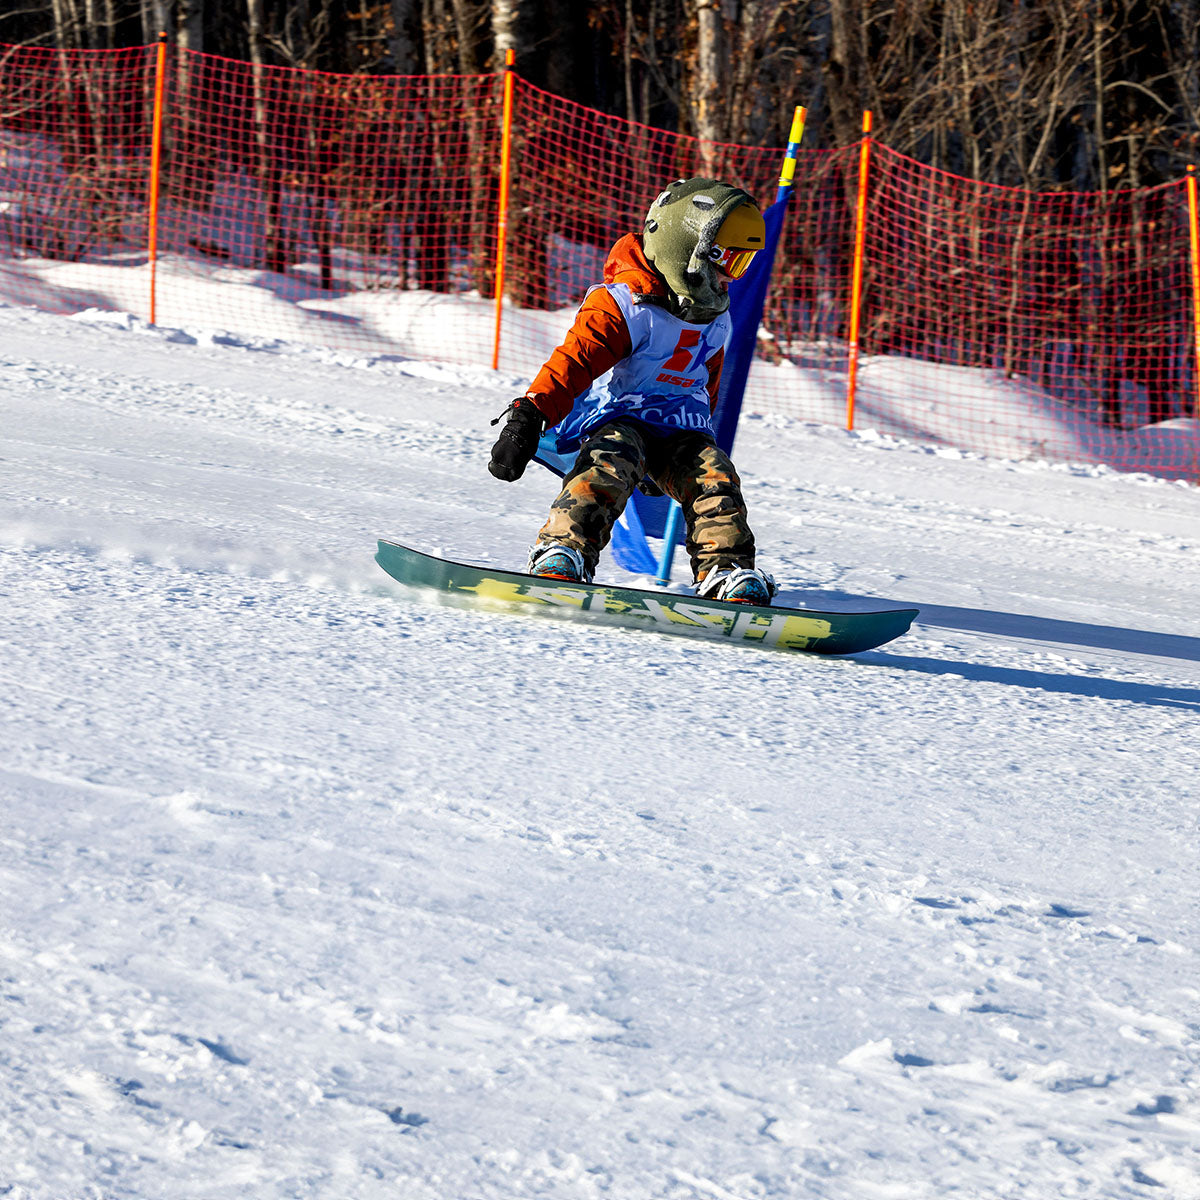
{"points": [[598, 339]]}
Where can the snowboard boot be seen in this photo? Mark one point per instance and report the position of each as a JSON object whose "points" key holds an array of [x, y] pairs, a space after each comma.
{"points": [[553, 560], [743, 585]]}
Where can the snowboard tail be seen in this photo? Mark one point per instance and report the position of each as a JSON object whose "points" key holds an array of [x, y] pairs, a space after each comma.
{"points": [[780, 628]]}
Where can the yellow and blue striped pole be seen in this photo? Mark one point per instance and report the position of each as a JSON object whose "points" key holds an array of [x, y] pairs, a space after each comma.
{"points": [[787, 176]]}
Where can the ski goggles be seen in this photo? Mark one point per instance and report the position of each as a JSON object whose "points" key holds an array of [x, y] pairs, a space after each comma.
{"points": [[734, 263]]}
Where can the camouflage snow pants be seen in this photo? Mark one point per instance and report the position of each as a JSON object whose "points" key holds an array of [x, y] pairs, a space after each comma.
{"points": [[689, 467]]}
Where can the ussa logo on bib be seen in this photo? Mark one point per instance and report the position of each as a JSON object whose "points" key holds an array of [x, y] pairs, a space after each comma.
{"points": [[682, 359]]}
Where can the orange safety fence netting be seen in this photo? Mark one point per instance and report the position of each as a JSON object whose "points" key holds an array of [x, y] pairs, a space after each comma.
{"points": [[360, 213], [1065, 319]]}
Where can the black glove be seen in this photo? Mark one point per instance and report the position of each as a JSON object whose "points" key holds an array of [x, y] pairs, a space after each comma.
{"points": [[518, 439]]}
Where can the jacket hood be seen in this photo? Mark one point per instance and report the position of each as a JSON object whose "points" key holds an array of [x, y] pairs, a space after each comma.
{"points": [[627, 263]]}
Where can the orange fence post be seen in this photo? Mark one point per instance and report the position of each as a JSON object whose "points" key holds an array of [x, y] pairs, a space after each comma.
{"points": [[502, 221], [160, 73], [1194, 228], [860, 232]]}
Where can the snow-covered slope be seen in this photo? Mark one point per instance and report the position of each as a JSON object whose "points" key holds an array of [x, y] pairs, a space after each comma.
{"points": [[313, 888]]}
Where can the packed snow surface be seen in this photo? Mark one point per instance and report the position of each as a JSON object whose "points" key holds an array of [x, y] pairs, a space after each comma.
{"points": [[315, 888]]}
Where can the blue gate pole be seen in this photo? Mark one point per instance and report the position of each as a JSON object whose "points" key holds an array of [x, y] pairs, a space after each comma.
{"points": [[671, 529]]}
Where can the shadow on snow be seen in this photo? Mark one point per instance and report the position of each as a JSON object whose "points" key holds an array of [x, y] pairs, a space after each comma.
{"points": [[1094, 687]]}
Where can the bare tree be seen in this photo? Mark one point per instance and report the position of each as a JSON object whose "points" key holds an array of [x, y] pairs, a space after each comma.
{"points": [[506, 28], [1101, 94], [267, 170], [156, 18], [404, 36], [469, 22], [189, 24], [714, 20]]}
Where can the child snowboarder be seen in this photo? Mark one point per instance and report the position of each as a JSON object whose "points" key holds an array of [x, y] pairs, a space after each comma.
{"points": [[644, 356]]}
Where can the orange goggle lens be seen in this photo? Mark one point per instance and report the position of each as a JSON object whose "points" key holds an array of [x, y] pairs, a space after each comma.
{"points": [[733, 263]]}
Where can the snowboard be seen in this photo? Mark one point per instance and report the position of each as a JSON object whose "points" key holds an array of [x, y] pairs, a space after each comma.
{"points": [[776, 627]]}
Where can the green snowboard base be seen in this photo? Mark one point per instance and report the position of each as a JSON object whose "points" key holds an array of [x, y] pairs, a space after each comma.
{"points": [[668, 612]]}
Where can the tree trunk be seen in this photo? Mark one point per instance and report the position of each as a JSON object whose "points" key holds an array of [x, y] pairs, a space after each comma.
{"points": [[466, 27], [274, 251], [93, 31], [1098, 31], [154, 19], [709, 99], [189, 25], [402, 42], [842, 73], [66, 24], [506, 21]]}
